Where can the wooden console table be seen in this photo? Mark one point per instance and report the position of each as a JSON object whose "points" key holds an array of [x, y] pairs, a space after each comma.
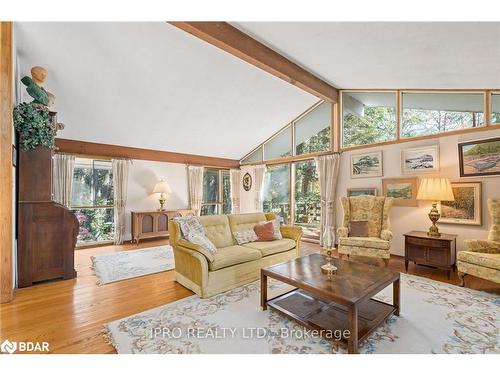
{"points": [[150, 224], [439, 252]]}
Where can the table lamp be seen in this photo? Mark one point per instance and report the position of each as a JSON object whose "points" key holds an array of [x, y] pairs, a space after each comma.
{"points": [[435, 189], [162, 188]]}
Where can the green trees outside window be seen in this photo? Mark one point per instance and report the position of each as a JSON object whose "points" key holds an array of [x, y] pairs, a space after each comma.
{"points": [[92, 200]]}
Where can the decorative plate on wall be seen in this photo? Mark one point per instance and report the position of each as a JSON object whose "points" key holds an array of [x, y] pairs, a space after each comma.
{"points": [[247, 182]]}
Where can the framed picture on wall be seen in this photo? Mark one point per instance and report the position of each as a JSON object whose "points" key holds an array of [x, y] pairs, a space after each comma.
{"points": [[403, 190], [479, 158], [466, 208], [366, 165], [354, 192], [420, 159]]}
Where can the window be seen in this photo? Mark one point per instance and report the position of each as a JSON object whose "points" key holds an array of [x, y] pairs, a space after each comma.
{"points": [[92, 200], [368, 117], [433, 113], [307, 199], [312, 131], [216, 192], [277, 191], [280, 145], [495, 108], [254, 157]]}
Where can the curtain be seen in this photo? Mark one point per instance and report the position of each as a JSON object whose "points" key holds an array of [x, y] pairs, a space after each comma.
{"points": [[327, 167], [234, 179], [120, 183], [259, 173], [63, 167], [195, 181]]}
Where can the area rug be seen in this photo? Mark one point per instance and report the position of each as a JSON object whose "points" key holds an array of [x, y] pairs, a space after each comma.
{"points": [[132, 263], [435, 318]]}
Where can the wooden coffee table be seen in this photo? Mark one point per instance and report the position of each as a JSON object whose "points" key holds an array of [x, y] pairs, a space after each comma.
{"points": [[340, 304]]}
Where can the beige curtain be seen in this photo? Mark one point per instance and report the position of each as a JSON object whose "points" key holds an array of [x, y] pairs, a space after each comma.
{"points": [[63, 167], [120, 183], [327, 167], [235, 182], [258, 182], [195, 181]]}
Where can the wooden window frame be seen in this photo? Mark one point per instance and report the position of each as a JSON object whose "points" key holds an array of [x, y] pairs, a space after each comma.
{"points": [[294, 157], [220, 203], [489, 106], [340, 123]]}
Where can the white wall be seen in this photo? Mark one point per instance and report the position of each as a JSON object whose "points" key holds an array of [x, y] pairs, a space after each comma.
{"points": [[143, 175], [247, 203], [405, 219]]}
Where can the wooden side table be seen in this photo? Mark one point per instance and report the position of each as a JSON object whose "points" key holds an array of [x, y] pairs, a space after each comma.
{"points": [[150, 224], [439, 252]]}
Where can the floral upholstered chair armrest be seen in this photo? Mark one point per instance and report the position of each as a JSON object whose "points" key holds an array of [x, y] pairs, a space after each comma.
{"points": [[192, 246], [292, 232], [342, 232], [386, 235], [482, 246]]}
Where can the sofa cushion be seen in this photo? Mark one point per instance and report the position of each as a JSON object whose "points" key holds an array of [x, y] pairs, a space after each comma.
{"points": [[240, 222], [371, 242], [480, 259], [217, 230], [231, 255], [272, 247], [265, 231]]}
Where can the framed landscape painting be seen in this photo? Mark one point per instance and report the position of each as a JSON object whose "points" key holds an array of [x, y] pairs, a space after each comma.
{"points": [[366, 165], [466, 208], [479, 158], [403, 190], [420, 159], [354, 192]]}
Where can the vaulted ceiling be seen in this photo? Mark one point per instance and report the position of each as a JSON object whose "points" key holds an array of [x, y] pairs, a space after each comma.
{"points": [[151, 85]]}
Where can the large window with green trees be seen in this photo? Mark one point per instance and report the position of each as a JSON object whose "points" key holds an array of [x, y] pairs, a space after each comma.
{"points": [[426, 113], [92, 200], [276, 192], [368, 117], [495, 108], [216, 192], [312, 130], [280, 145], [307, 199]]}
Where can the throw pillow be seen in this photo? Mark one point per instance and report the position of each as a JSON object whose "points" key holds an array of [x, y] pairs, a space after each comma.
{"points": [[203, 241], [276, 226], [358, 228], [265, 231], [190, 224], [193, 231], [245, 236]]}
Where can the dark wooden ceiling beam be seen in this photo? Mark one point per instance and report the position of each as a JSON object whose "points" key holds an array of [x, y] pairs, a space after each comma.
{"points": [[241, 45], [71, 146]]}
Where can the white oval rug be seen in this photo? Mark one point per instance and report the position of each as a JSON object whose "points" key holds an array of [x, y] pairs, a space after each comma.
{"points": [[132, 263]]}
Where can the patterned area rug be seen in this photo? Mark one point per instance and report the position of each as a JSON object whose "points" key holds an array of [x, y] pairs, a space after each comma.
{"points": [[132, 263], [435, 318]]}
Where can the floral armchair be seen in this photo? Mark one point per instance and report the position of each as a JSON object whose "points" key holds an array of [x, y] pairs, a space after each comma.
{"points": [[374, 210], [482, 257]]}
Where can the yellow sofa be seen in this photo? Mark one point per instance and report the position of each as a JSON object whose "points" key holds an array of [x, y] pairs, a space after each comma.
{"points": [[482, 257], [232, 265]]}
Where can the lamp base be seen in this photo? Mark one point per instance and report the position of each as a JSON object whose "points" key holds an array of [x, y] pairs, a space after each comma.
{"points": [[162, 202], [434, 216]]}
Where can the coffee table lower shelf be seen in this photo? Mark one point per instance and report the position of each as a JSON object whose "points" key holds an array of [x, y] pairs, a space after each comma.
{"points": [[321, 315]]}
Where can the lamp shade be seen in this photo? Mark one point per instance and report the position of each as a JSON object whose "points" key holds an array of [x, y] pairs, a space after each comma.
{"points": [[435, 189], [161, 187]]}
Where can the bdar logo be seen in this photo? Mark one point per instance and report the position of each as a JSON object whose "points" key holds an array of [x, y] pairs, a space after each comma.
{"points": [[8, 347]]}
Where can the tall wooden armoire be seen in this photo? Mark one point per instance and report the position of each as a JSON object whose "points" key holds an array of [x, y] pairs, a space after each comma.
{"points": [[47, 231]]}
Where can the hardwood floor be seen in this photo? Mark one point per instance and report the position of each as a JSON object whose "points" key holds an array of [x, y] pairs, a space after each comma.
{"points": [[70, 314]]}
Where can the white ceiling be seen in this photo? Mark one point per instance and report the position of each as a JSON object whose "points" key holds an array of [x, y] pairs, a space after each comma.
{"points": [[389, 55], [151, 85]]}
